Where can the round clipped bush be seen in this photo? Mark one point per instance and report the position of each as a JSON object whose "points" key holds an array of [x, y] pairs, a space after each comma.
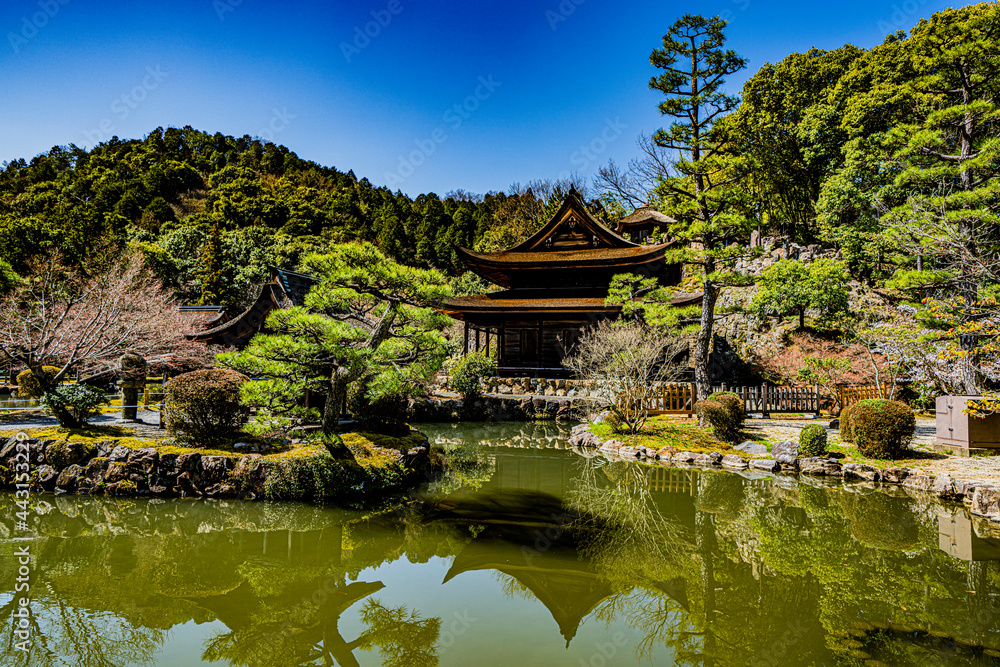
{"points": [[812, 440], [725, 413], [27, 385], [882, 429], [205, 405], [468, 374]]}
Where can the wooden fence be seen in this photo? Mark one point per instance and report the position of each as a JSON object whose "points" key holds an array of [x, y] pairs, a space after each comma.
{"points": [[766, 399], [680, 399], [673, 399], [851, 394]]}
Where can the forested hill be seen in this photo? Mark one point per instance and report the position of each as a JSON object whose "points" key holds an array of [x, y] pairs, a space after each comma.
{"points": [[213, 211]]}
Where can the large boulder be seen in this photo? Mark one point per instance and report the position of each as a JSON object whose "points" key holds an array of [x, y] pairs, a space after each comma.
{"points": [[895, 475], [68, 478], [62, 454], [986, 502], [214, 469], [96, 468], [47, 477], [769, 465], [143, 461], [861, 471], [585, 438], [751, 448], [919, 482], [785, 448], [734, 461], [818, 465]]}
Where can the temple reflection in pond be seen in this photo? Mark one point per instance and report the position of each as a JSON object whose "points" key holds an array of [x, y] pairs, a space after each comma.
{"points": [[553, 552]]}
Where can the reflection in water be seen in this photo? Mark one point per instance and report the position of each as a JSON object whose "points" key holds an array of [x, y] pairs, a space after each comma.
{"points": [[552, 558]]}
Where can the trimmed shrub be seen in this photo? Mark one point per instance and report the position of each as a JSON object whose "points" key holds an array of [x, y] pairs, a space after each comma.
{"points": [[846, 433], [205, 405], [80, 400], [725, 413], [468, 373], [27, 385], [882, 429], [812, 440]]}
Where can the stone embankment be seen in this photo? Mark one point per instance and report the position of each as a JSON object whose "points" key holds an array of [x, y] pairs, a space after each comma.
{"points": [[495, 409], [983, 497], [111, 469], [531, 386]]}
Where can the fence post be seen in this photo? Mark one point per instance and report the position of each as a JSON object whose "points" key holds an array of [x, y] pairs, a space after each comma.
{"points": [[693, 388], [764, 412]]}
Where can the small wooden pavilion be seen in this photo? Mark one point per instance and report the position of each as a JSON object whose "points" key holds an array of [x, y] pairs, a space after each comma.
{"points": [[643, 224], [555, 284]]}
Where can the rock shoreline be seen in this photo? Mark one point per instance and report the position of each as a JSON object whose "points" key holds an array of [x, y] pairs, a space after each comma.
{"points": [[495, 409], [108, 468], [983, 498]]}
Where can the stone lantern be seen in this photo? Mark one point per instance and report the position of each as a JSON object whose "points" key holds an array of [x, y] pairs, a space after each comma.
{"points": [[132, 377]]}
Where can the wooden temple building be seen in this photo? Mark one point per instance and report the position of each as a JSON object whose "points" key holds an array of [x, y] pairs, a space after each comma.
{"points": [[283, 289], [554, 286]]}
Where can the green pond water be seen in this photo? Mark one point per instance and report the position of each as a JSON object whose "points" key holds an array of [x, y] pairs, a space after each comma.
{"points": [[525, 554]]}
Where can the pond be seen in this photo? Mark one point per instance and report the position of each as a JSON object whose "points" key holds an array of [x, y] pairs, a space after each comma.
{"points": [[527, 553]]}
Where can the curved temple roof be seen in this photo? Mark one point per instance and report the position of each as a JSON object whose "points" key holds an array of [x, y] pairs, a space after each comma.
{"points": [[572, 239]]}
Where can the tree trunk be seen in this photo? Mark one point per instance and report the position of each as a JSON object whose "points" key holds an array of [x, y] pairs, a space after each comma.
{"points": [[336, 392], [802, 319], [62, 415], [703, 344]]}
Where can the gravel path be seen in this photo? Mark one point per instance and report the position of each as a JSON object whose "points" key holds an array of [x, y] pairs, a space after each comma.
{"points": [[148, 427], [986, 468]]}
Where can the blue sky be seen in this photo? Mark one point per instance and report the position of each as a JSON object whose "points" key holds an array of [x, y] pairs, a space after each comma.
{"points": [[436, 96]]}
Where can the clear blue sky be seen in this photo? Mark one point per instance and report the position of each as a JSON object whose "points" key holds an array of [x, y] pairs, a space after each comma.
{"points": [[559, 74]]}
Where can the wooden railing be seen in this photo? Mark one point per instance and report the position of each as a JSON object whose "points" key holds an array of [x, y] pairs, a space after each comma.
{"points": [[672, 399], [766, 399], [851, 394]]}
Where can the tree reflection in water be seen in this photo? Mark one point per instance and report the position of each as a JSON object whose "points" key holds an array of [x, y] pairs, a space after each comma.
{"points": [[697, 568]]}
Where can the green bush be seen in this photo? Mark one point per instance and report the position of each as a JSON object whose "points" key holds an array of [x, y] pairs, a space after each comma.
{"points": [[846, 434], [812, 440], [882, 429], [725, 413], [468, 373], [80, 400], [205, 405], [27, 385]]}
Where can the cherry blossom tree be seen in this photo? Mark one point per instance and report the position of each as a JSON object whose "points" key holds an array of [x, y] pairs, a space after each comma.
{"points": [[83, 318]]}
